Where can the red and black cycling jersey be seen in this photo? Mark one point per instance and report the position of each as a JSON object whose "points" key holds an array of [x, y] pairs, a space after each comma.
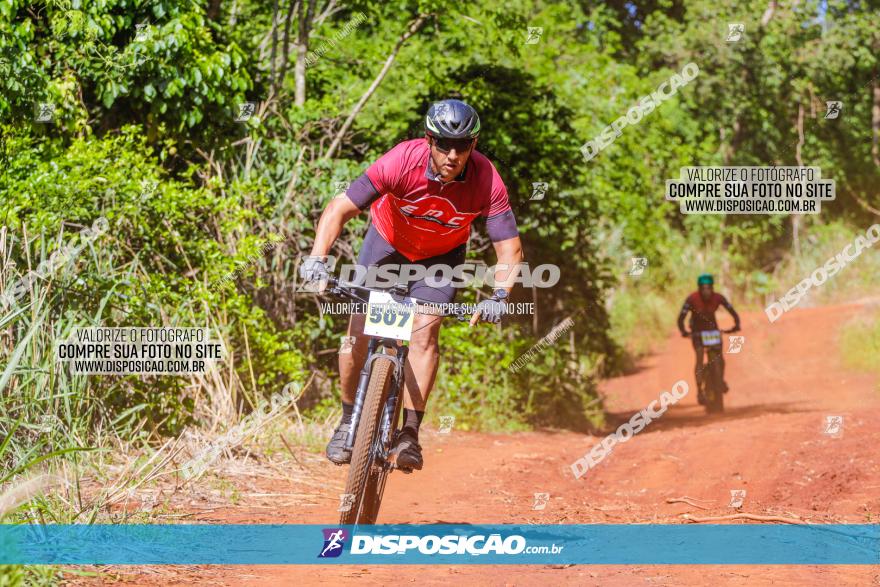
{"points": [[703, 313], [422, 217]]}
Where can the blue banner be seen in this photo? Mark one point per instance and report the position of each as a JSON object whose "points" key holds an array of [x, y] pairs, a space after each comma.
{"points": [[616, 544]]}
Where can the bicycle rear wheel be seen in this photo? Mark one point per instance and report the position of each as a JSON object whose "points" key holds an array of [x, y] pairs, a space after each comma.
{"points": [[366, 479]]}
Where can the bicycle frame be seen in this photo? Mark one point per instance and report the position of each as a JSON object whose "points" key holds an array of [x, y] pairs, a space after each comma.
{"points": [[713, 355]]}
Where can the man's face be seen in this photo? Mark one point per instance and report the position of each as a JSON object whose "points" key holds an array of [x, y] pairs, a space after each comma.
{"points": [[448, 156], [706, 291]]}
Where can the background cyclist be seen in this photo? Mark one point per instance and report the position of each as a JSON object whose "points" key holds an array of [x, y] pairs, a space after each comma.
{"points": [[702, 305]]}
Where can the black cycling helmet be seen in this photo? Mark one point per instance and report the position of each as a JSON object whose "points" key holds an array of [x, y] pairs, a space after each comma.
{"points": [[452, 119]]}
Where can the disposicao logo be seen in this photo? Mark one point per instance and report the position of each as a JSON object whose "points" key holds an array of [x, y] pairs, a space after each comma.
{"points": [[334, 542], [450, 544]]}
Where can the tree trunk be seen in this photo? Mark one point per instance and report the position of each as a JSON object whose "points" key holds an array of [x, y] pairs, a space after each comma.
{"points": [[213, 11], [875, 123], [535, 308], [272, 60], [306, 14], [796, 218], [875, 140], [285, 47]]}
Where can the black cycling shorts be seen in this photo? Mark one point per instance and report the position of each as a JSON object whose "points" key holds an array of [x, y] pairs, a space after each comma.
{"points": [[376, 251]]}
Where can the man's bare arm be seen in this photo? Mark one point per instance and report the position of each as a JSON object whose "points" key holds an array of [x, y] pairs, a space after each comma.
{"points": [[339, 211], [509, 254]]}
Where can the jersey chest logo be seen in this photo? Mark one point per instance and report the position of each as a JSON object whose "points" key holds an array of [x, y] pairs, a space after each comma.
{"points": [[435, 210]]}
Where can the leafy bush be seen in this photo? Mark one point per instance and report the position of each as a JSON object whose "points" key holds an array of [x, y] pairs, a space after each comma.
{"points": [[557, 387], [163, 261]]}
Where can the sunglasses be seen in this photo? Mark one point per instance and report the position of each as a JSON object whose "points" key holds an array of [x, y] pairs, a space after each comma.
{"points": [[445, 145]]}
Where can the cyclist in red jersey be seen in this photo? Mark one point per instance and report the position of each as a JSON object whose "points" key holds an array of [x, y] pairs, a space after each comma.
{"points": [[423, 196], [702, 305]]}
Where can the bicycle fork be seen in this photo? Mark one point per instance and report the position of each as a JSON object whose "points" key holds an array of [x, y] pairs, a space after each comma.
{"points": [[390, 410], [361, 393]]}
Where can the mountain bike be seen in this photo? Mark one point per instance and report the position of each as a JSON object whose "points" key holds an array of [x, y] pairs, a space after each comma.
{"points": [[375, 420], [712, 381]]}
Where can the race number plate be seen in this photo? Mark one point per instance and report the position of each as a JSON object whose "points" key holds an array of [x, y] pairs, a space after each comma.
{"points": [[711, 337], [388, 318]]}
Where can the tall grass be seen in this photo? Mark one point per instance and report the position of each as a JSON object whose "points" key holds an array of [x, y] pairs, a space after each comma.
{"points": [[860, 343], [52, 421], [45, 412], [99, 429]]}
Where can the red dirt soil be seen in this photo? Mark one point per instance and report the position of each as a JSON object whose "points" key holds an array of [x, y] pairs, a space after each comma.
{"points": [[770, 442]]}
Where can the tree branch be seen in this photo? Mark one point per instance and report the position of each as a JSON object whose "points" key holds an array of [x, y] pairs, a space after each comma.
{"points": [[865, 205], [413, 29], [328, 11], [755, 517], [687, 500], [768, 14]]}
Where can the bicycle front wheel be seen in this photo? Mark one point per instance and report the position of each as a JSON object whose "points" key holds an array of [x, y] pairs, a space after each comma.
{"points": [[364, 480], [715, 395]]}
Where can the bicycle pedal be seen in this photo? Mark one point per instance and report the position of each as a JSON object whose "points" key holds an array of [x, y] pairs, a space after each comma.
{"points": [[395, 467], [392, 463]]}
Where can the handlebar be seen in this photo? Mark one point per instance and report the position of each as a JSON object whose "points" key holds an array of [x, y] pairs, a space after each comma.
{"points": [[352, 291], [727, 331]]}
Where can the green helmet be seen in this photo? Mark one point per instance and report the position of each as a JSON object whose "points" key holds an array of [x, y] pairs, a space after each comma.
{"points": [[705, 279]]}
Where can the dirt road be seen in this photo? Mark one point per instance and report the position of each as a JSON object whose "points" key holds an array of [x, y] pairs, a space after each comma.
{"points": [[770, 442]]}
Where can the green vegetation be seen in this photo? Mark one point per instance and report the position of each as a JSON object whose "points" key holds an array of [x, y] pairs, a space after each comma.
{"points": [[860, 344], [207, 215]]}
